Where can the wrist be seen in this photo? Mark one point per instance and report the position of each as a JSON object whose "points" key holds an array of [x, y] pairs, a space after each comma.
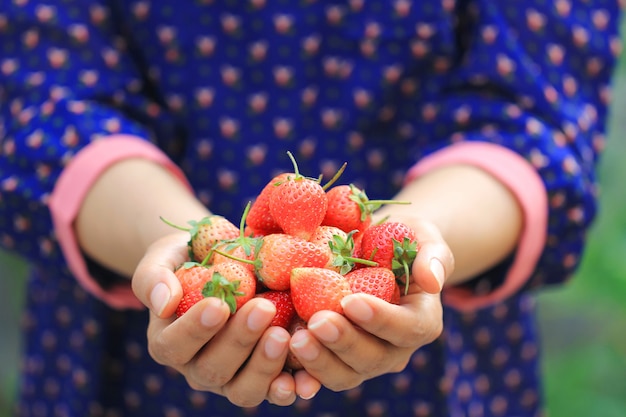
{"points": [[120, 215]]}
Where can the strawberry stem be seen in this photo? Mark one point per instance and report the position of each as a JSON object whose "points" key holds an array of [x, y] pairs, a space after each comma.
{"points": [[295, 165], [256, 262], [175, 226], [335, 177], [406, 278], [380, 202]]}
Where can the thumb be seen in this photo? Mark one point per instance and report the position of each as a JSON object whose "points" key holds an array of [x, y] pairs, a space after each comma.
{"points": [[432, 265], [154, 282]]}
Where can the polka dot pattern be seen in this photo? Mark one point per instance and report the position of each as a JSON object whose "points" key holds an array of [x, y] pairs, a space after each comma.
{"points": [[226, 88]]}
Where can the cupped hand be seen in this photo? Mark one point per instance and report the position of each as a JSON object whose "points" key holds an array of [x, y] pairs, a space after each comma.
{"points": [[374, 337], [239, 357]]}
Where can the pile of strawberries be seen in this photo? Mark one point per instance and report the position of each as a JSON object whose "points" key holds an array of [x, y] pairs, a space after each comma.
{"points": [[301, 245]]}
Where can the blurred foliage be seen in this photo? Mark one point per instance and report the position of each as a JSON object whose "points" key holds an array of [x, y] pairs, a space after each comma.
{"points": [[583, 323]]}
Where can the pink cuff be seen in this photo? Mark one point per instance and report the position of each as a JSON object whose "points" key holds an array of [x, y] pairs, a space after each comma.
{"points": [[524, 181], [71, 188]]}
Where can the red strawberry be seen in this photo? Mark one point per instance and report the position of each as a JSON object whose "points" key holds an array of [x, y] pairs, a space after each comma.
{"points": [[233, 282], [206, 233], [395, 299], [340, 247], [377, 281], [392, 245], [280, 253], [298, 204], [324, 236], [315, 289], [292, 363], [188, 301], [192, 276], [350, 209], [234, 251], [259, 219], [285, 310]]}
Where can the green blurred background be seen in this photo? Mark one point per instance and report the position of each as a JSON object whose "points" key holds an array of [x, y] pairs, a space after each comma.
{"points": [[583, 324]]}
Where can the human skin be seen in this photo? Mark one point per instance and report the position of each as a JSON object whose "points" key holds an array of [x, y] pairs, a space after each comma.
{"points": [[457, 209]]}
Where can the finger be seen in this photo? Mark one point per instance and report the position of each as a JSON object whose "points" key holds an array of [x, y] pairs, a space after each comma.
{"points": [[283, 389], [154, 282], [175, 342], [434, 261], [365, 353], [414, 323], [317, 359], [218, 362], [432, 265], [251, 385], [306, 385]]}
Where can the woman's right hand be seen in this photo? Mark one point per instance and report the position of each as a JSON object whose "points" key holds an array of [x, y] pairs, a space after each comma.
{"points": [[238, 357]]}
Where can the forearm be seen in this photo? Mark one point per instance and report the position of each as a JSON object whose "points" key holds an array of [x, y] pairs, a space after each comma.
{"points": [[120, 216], [478, 216]]}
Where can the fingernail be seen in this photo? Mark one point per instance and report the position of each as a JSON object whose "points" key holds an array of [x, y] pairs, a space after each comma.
{"points": [[305, 348], [275, 345], [210, 316], [436, 267], [159, 297], [325, 330], [283, 393], [357, 307], [260, 317], [308, 396]]}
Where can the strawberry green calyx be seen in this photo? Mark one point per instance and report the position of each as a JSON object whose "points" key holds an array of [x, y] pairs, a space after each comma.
{"points": [[223, 289], [342, 250], [404, 254], [367, 206], [193, 230], [205, 233], [247, 243]]}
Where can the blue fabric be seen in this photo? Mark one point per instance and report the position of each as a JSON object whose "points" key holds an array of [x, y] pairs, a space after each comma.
{"points": [[225, 88]]}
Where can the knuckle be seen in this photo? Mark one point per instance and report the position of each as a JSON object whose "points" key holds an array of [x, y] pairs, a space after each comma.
{"points": [[244, 398], [158, 350], [208, 377]]}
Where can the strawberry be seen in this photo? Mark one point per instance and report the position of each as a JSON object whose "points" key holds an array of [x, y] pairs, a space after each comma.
{"points": [[340, 247], [192, 276], [206, 233], [392, 245], [292, 363], [377, 281], [259, 219], [224, 249], [298, 204], [243, 246], [189, 300], [232, 282], [285, 310], [395, 298], [350, 209], [323, 235], [279, 254], [315, 289]]}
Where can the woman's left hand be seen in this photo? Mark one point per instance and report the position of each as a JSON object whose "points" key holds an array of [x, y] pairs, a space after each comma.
{"points": [[375, 337]]}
